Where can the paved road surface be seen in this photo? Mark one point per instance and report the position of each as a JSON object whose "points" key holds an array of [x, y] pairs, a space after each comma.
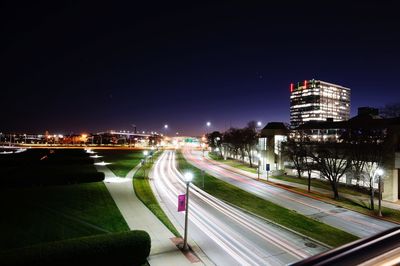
{"points": [[227, 235], [349, 221]]}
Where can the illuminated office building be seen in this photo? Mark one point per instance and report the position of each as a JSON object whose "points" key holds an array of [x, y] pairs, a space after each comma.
{"points": [[316, 100]]}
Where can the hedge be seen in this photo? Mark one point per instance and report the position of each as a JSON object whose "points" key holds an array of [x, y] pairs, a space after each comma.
{"points": [[126, 248]]}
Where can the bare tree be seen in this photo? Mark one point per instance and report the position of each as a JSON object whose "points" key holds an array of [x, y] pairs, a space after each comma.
{"points": [[214, 140], [308, 164], [359, 155], [374, 160], [294, 152], [367, 150], [332, 160], [249, 138]]}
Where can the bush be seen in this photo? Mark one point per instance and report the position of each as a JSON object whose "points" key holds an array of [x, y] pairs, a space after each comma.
{"points": [[126, 248]]}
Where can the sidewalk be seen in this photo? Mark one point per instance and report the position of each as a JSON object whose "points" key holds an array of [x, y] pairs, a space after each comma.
{"points": [[138, 217], [386, 204]]}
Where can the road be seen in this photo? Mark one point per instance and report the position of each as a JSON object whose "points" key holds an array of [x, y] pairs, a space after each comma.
{"points": [[225, 234], [349, 221]]}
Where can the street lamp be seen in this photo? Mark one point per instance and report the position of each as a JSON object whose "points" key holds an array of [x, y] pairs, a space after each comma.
{"points": [[145, 153], [259, 123], [258, 168], [188, 178], [379, 172], [208, 124], [166, 126]]}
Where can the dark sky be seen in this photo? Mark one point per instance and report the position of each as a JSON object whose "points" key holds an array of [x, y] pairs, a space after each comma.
{"points": [[88, 67]]}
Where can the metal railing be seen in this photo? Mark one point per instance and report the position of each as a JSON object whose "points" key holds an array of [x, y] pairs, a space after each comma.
{"points": [[380, 249]]}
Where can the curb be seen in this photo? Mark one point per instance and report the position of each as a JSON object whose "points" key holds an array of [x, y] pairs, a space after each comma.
{"points": [[326, 201], [193, 245], [267, 220], [301, 193]]}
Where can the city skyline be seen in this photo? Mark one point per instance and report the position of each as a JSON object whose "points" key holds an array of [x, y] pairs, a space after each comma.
{"points": [[80, 68]]}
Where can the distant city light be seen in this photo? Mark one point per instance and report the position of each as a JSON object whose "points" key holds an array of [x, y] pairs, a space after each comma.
{"points": [[103, 163]]}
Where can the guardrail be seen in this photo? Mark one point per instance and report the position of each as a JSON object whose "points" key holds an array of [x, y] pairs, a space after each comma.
{"points": [[380, 249]]}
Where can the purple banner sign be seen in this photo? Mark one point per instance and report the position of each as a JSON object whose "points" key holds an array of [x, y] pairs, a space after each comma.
{"points": [[182, 203]]}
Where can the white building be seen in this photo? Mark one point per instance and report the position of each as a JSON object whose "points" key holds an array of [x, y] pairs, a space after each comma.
{"points": [[316, 100]]}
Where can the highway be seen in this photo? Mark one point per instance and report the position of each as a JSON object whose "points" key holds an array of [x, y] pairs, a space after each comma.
{"points": [[349, 221], [225, 234]]}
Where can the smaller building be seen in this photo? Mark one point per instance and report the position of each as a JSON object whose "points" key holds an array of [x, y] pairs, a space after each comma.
{"points": [[366, 123], [270, 146]]}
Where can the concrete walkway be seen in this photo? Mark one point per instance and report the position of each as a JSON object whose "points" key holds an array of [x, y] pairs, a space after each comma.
{"points": [[366, 199], [138, 217]]}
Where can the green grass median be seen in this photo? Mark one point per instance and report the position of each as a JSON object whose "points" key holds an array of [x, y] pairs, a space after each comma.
{"points": [[347, 189], [145, 194], [233, 163], [280, 215]]}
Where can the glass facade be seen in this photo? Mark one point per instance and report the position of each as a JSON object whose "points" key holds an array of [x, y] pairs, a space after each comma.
{"points": [[315, 100]]}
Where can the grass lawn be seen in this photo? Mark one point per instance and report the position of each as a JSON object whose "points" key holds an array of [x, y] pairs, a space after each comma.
{"points": [[145, 194], [321, 184], [41, 167], [304, 181], [41, 214], [304, 225], [233, 163], [358, 205], [122, 161]]}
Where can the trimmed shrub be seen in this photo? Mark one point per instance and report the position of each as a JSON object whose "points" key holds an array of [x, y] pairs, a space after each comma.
{"points": [[126, 248]]}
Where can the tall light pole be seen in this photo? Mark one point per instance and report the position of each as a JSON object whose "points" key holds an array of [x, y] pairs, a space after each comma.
{"points": [[379, 172], [188, 178], [258, 168], [145, 153]]}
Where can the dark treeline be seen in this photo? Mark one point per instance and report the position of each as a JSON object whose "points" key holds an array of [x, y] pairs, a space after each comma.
{"points": [[237, 143]]}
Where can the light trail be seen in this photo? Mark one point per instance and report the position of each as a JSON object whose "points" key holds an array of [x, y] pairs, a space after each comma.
{"points": [[239, 236], [349, 221]]}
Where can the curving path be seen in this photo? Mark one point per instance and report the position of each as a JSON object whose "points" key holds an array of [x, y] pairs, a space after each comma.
{"points": [[353, 222]]}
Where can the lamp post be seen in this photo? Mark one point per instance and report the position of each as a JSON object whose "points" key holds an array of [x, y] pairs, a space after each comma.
{"points": [[188, 178], [379, 172], [145, 153], [258, 168]]}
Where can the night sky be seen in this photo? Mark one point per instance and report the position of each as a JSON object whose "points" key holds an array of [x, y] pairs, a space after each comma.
{"points": [[90, 67]]}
